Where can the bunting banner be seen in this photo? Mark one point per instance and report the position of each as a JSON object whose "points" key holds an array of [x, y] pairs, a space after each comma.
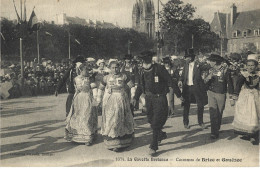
{"points": [[33, 23]]}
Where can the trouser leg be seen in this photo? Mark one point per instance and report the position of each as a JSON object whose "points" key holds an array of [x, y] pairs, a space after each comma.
{"points": [[221, 101], [200, 105], [214, 113], [170, 99], [149, 108], [186, 111], [69, 103], [154, 143], [200, 113], [157, 109]]}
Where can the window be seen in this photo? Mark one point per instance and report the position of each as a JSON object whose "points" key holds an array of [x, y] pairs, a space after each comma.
{"points": [[256, 32], [244, 33], [235, 34]]}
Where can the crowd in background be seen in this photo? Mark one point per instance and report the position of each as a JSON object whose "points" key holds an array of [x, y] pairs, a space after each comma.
{"points": [[39, 79], [42, 79]]}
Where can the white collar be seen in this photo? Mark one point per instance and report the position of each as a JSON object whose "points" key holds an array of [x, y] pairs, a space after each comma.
{"points": [[192, 63]]}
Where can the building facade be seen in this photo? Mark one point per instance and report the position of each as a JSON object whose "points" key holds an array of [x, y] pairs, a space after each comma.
{"points": [[63, 19], [237, 30], [143, 17]]}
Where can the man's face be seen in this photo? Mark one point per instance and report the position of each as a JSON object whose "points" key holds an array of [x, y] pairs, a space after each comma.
{"points": [[146, 65], [167, 65], [127, 62], [212, 63], [114, 68], [188, 59]]}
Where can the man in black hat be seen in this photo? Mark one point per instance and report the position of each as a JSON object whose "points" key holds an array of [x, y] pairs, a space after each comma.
{"points": [[219, 82], [68, 79], [154, 82], [194, 89]]}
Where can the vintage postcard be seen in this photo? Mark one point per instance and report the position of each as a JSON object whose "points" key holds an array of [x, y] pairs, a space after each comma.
{"points": [[130, 83]]}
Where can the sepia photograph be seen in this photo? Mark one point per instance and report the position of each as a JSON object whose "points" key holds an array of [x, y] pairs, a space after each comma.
{"points": [[129, 83]]}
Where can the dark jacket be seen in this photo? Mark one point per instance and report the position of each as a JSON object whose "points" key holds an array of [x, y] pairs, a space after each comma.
{"points": [[68, 79], [197, 81], [220, 81], [146, 82]]}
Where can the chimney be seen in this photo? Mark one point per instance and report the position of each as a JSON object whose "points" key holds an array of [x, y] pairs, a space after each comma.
{"points": [[233, 14], [227, 25]]}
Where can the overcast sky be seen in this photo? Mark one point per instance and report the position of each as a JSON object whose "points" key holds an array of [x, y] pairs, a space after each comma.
{"points": [[113, 11]]}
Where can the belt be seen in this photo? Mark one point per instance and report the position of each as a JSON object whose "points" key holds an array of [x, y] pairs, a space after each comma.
{"points": [[153, 94]]}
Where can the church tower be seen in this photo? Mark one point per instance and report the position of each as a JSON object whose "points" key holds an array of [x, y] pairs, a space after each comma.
{"points": [[143, 17]]}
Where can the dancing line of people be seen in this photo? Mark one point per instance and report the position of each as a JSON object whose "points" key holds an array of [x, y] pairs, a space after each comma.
{"points": [[115, 92]]}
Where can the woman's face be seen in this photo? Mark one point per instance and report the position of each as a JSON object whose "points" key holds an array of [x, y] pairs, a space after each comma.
{"points": [[251, 66], [84, 72], [102, 65], [114, 68]]}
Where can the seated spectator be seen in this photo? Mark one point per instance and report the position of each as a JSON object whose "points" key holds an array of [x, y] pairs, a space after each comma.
{"points": [[34, 85], [15, 91], [42, 86], [50, 85]]}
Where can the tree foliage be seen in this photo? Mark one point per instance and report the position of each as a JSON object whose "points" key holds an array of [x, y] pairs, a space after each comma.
{"points": [[94, 42], [179, 26]]}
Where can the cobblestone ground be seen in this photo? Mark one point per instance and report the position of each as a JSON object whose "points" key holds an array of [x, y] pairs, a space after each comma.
{"points": [[32, 131]]}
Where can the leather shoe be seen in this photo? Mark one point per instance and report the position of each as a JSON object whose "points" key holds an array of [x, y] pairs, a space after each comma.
{"points": [[202, 125], [152, 152], [186, 126], [163, 136], [116, 149]]}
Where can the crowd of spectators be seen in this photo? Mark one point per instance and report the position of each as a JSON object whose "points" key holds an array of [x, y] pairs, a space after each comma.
{"points": [[42, 79], [39, 79]]}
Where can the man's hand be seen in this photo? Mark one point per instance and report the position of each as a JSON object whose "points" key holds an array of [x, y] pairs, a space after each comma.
{"points": [[56, 93], [133, 102], [232, 102], [180, 84], [233, 99], [182, 99]]}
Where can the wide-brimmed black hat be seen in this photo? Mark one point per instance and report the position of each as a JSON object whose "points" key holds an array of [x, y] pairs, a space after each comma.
{"points": [[128, 57], [147, 55], [189, 53], [249, 52], [215, 58], [79, 59], [166, 60]]}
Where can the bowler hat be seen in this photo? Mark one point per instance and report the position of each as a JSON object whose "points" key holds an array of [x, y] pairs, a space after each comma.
{"points": [[215, 58], [79, 59], [147, 55], [189, 53], [128, 57], [166, 60]]}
